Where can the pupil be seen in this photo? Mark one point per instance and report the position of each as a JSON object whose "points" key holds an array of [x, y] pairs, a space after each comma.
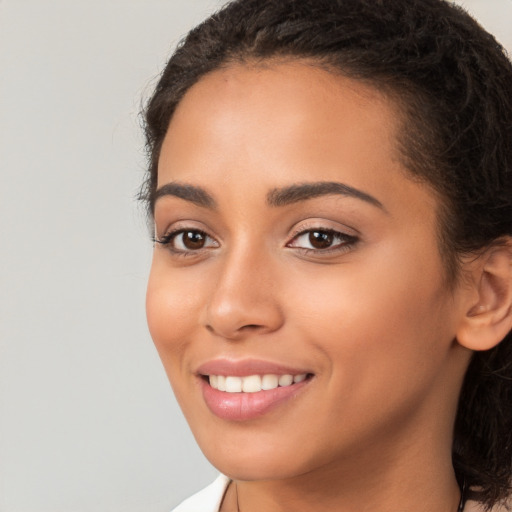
{"points": [[193, 240], [320, 239]]}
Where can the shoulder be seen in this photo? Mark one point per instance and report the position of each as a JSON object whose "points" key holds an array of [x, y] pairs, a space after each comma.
{"points": [[206, 500]]}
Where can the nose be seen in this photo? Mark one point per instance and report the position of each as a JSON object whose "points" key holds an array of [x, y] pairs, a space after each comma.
{"points": [[244, 300]]}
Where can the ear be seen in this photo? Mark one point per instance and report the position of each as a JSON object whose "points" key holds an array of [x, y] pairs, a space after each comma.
{"points": [[488, 310]]}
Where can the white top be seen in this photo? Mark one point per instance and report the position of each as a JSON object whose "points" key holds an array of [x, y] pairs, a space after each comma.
{"points": [[210, 498], [206, 500]]}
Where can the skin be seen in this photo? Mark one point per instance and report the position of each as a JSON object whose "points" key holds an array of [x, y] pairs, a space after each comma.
{"points": [[373, 320]]}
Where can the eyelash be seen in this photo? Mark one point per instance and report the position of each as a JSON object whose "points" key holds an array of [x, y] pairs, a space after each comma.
{"points": [[168, 239], [345, 244], [346, 241]]}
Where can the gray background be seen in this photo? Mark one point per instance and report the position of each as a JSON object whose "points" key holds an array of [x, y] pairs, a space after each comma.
{"points": [[87, 418]]}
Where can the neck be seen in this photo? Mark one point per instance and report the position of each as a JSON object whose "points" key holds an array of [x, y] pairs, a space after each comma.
{"points": [[376, 495]]}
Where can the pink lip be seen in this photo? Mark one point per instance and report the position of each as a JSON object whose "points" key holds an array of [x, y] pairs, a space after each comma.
{"points": [[245, 367], [247, 406]]}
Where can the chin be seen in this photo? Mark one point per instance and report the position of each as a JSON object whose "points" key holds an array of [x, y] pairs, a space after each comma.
{"points": [[259, 457], [248, 469]]}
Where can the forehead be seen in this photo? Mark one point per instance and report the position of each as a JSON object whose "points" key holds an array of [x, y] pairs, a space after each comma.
{"points": [[277, 109]]}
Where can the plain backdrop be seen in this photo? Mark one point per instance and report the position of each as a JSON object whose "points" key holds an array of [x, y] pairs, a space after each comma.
{"points": [[87, 418]]}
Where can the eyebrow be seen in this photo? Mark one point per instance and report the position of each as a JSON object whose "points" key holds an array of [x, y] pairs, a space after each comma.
{"points": [[304, 191], [276, 197], [192, 193]]}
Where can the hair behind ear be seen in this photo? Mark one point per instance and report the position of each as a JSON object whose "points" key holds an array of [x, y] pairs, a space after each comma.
{"points": [[482, 447]]}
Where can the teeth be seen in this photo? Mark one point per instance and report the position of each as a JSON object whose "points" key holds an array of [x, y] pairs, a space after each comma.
{"points": [[233, 384], [269, 382], [285, 380], [253, 383]]}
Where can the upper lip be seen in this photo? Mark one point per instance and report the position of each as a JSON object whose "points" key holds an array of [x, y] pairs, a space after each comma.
{"points": [[245, 367]]}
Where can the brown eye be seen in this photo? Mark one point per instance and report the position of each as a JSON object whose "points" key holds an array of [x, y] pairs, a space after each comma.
{"points": [[321, 239], [187, 241], [192, 240]]}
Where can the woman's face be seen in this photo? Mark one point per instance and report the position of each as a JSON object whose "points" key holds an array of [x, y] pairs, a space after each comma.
{"points": [[295, 248]]}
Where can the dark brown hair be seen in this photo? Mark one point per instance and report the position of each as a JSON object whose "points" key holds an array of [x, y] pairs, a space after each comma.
{"points": [[453, 82]]}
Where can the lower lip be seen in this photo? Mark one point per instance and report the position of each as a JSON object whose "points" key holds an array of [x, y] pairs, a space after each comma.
{"points": [[248, 406]]}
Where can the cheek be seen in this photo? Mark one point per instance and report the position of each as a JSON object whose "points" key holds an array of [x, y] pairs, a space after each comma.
{"points": [[171, 308], [385, 316], [383, 343]]}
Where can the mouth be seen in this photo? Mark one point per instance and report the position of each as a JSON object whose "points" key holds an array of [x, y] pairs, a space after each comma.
{"points": [[248, 390]]}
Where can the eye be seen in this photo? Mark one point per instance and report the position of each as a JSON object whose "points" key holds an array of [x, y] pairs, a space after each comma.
{"points": [[322, 240], [187, 240]]}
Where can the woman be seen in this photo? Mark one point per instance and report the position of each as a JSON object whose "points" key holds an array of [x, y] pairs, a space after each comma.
{"points": [[331, 289]]}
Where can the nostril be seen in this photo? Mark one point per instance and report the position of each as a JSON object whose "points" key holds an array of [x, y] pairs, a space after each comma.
{"points": [[237, 332]]}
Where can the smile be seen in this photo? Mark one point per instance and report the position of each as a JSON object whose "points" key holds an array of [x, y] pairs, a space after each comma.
{"points": [[249, 389], [253, 383]]}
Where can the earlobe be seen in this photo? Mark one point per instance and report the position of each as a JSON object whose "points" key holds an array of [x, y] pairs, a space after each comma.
{"points": [[488, 319]]}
